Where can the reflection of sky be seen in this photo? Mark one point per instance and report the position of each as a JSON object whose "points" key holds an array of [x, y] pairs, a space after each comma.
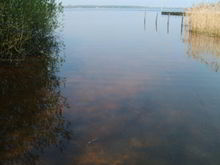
{"points": [[153, 3]]}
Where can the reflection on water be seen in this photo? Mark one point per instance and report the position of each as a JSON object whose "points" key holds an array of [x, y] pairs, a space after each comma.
{"points": [[31, 110], [204, 49]]}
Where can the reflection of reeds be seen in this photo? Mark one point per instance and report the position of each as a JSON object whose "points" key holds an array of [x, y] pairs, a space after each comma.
{"points": [[205, 18], [204, 48]]}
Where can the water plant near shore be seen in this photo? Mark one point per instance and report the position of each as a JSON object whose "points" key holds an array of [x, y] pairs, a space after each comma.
{"points": [[205, 18], [25, 26]]}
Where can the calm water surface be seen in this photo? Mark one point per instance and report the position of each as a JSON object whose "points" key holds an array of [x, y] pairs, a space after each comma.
{"points": [[138, 92]]}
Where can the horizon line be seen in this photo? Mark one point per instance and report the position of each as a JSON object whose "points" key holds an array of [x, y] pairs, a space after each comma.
{"points": [[116, 6]]}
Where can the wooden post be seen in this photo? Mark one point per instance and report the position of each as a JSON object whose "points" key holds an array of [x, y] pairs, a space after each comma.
{"points": [[182, 25], [156, 22], [145, 13], [168, 24]]}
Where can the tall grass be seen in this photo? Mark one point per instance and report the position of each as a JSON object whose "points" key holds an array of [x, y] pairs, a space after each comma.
{"points": [[205, 18], [25, 25]]}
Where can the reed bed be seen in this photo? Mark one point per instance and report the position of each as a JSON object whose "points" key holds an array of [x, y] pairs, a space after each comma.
{"points": [[205, 18]]}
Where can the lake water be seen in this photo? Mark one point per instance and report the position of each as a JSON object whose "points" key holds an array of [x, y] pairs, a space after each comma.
{"points": [[137, 91]]}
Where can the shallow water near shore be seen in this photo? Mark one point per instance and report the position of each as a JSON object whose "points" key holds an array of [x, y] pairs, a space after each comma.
{"points": [[134, 89]]}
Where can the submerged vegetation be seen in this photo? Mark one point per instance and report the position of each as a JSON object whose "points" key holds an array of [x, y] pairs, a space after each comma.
{"points": [[26, 26], [205, 18]]}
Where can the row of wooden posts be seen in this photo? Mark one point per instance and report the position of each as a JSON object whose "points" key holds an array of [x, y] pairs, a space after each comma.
{"points": [[168, 22]]}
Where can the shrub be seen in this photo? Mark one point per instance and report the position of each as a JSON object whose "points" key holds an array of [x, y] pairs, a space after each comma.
{"points": [[25, 25]]}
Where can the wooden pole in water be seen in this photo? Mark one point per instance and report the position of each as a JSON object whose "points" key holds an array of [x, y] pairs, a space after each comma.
{"points": [[145, 19], [168, 23], [156, 22], [182, 25]]}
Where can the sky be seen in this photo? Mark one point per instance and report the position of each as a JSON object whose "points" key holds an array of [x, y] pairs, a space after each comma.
{"points": [[150, 3]]}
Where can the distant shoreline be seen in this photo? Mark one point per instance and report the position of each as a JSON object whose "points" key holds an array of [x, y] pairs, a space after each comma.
{"points": [[122, 7]]}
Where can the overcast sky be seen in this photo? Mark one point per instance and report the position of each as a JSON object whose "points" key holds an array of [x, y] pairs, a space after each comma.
{"points": [[151, 3]]}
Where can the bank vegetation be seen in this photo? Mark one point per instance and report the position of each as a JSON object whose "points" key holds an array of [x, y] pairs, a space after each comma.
{"points": [[26, 26], [205, 18]]}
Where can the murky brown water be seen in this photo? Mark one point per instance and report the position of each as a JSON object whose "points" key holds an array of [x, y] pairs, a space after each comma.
{"points": [[128, 93]]}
